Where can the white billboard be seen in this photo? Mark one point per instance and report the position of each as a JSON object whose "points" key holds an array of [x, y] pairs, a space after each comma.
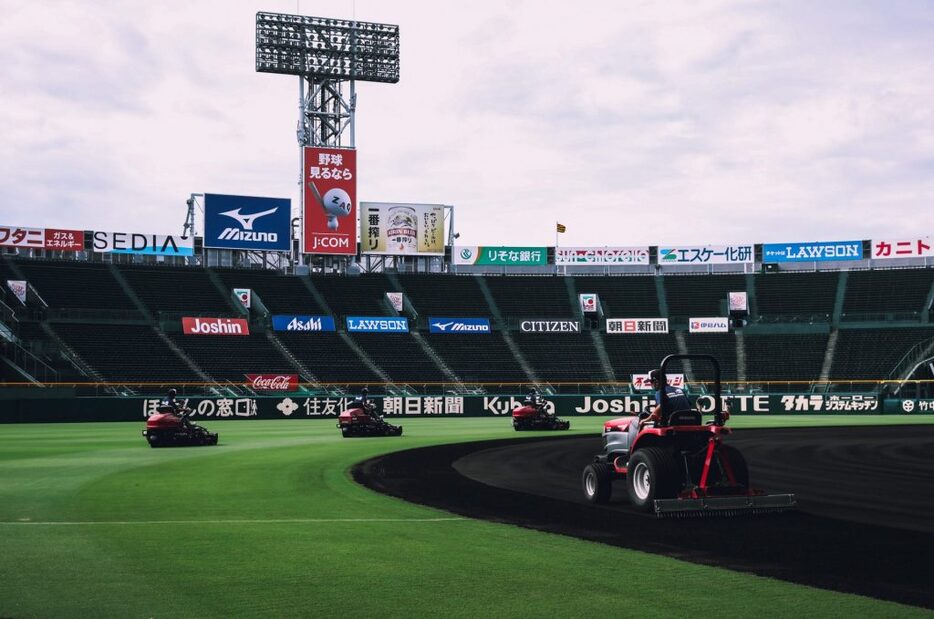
{"points": [[601, 256], [636, 325], [707, 254], [715, 324]]}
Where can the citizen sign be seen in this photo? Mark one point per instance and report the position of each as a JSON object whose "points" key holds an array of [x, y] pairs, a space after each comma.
{"points": [[550, 326], [272, 382], [215, 326]]}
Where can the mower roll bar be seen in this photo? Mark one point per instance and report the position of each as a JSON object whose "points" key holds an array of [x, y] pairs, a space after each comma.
{"points": [[718, 405]]}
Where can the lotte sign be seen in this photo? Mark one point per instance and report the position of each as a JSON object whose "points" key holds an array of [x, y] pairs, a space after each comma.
{"points": [[329, 183]]}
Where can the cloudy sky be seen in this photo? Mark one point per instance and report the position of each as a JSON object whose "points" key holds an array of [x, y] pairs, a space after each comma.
{"points": [[629, 122]]}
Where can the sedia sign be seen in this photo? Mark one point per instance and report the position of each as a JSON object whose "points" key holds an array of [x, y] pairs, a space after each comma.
{"points": [[215, 326]]}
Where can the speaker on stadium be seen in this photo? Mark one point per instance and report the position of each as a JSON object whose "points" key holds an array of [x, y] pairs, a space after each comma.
{"points": [[769, 267], [737, 323]]}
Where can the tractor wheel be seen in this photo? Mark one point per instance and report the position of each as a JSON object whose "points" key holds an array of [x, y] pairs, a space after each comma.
{"points": [[653, 474], [737, 463], [598, 482], [154, 440]]}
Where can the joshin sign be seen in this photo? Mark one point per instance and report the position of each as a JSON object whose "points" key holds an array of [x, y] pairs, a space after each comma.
{"points": [[330, 188]]}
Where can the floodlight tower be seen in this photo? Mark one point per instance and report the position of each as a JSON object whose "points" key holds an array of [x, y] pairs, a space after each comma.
{"points": [[326, 54]]}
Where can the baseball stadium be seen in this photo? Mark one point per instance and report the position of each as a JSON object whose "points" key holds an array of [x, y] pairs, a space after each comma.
{"points": [[335, 408]]}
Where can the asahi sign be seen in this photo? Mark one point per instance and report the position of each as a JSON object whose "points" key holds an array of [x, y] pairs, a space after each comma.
{"points": [[286, 322], [636, 325], [215, 326], [272, 382], [550, 326]]}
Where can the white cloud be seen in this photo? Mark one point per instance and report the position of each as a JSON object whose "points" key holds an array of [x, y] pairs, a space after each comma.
{"points": [[631, 123]]}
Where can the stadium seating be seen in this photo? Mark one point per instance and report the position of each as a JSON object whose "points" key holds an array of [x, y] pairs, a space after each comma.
{"points": [[362, 295], [478, 358], [125, 353], [873, 353], [445, 295], [622, 297], [720, 345], [561, 358], [281, 294], [177, 290], [531, 297], [75, 285], [784, 357], [229, 358], [400, 356], [880, 292], [797, 294], [700, 295], [327, 357], [637, 354]]}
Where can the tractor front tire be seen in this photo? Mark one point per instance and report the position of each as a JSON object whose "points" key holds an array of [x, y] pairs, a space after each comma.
{"points": [[597, 481], [737, 462], [652, 474]]}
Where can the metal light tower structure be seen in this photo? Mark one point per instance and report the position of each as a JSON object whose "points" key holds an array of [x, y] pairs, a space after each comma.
{"points": [[326, 54]]}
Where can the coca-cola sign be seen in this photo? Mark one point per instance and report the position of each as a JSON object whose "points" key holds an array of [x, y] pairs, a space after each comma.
{"points": [[215, 326], [272, 382]]}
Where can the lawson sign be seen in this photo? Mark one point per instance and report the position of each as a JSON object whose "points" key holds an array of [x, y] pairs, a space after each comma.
{"points": [[244, 222], [377, 324], [812, 252], [302, 323], [459, 325]]}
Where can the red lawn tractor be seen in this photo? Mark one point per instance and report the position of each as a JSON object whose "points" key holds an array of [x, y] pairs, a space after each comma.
{"points": [[533, 414], [170, 427], [361, 419], [678, 466]]}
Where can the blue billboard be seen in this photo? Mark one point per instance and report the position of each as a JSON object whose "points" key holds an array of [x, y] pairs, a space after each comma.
{"points": [[377, 324], [459, 325], [302, 323], [821, 251], [244, 222]]}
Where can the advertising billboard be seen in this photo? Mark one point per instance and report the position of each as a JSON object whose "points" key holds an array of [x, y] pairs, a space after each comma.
{"points": [[290, 322], [272, 382], [549, 326], [588, 302], [641, 382], [884, 249], [215, 326], [41, 238], [707, 254], [329, 186], [245, 296], [738, 302], [459, 325], [823, 251], [396, 300], [402, 229], [245, 222], [18, 287], [709, 325], [377, 324], [500, 256], [636, 325], [601, 256], [148, 244]]}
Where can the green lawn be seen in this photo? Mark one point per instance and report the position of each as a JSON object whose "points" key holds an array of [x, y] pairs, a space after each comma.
{"points": [[94, 523]]}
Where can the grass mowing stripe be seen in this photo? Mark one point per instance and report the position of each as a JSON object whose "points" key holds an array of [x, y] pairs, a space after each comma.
{"points": [[252, 521]]}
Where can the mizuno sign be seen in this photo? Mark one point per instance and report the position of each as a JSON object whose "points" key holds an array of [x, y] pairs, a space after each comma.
{"points": [[377, 324], [459, 325], [243, 222]]}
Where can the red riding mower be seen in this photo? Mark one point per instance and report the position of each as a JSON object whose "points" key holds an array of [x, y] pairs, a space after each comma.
{"points": [[361, 419], [170, 427], [533, 414], [678, 466]]}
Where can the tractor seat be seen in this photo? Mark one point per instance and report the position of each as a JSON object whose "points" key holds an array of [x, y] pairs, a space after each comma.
{"points": [[686, 417]]}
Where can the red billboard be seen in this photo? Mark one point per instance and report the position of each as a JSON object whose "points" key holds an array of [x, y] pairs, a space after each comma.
{"points": [[42, 238], [272, 382], [64, 240], [329, 184], [215, 326]]}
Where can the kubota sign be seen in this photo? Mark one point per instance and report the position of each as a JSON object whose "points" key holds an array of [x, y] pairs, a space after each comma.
{"points": [[215, 326]]}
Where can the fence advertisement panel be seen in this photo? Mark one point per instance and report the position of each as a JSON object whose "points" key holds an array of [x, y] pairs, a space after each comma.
{"points": [[272, 382], [636, 325], [329, 186], [146, 244], [885, 249], [588, 302], [641, 382], [707, 254], [738, 302], [214, 326], [709, 325], [459, 325], [822, 251], [500, 256], [291, 322], [601, 256], [42, 238], [377, 324], [538, 325], [312, 407], [246, 222], [18, 287], [401, 229]]}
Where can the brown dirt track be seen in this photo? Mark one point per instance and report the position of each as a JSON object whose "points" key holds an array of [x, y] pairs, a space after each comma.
{"points": [[864, 525]]}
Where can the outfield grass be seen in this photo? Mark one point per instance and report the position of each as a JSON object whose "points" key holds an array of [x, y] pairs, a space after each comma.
{"points": [[94, 523]]}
